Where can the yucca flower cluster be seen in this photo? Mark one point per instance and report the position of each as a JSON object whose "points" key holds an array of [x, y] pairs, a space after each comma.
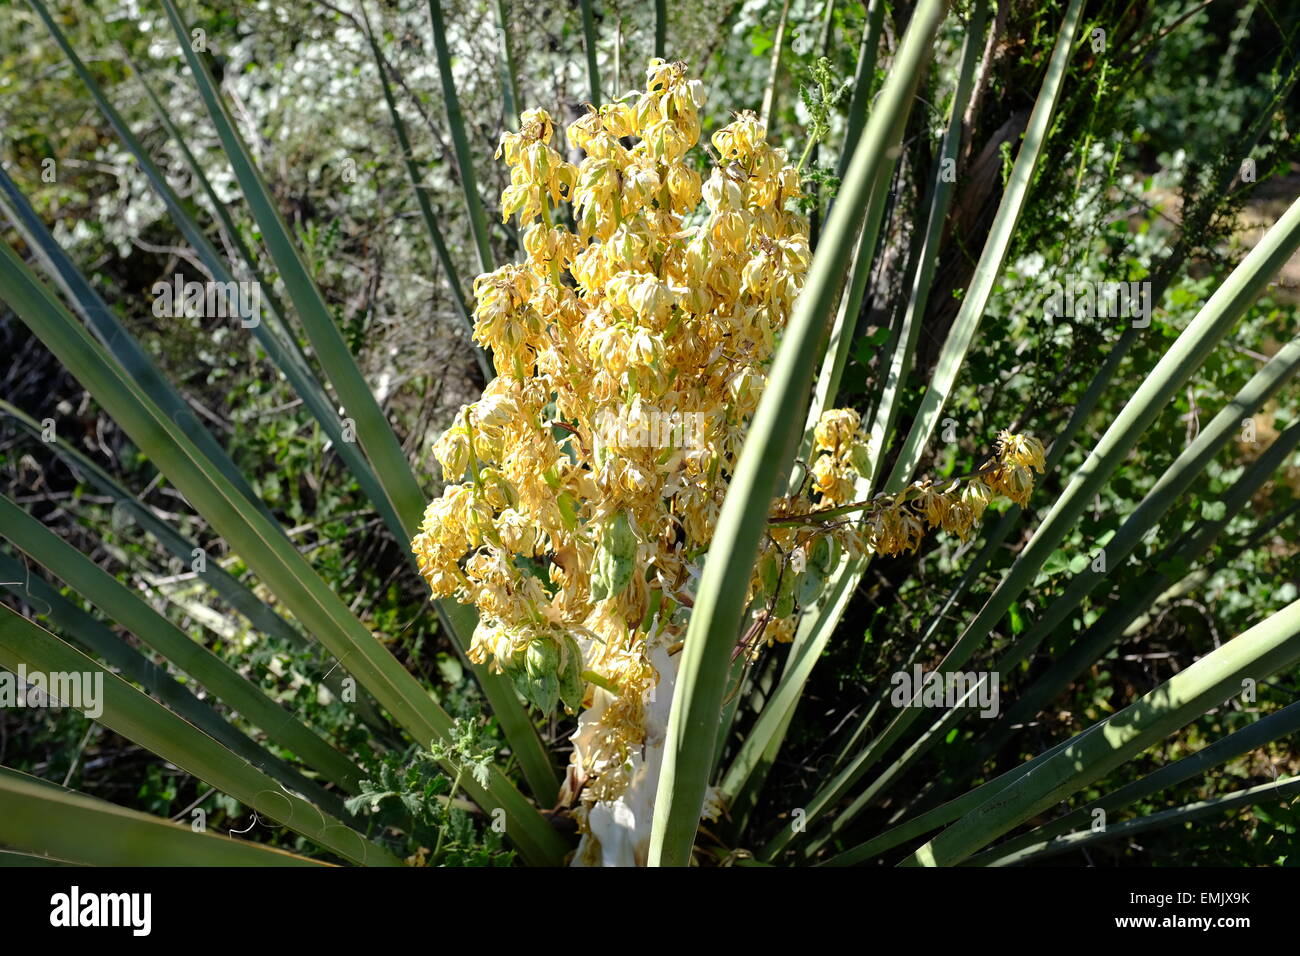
{"points": [[579, 508], [891, 524], [802, 547]]}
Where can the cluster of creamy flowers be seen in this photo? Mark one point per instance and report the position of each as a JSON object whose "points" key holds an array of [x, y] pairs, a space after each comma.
{"points": [[579, 543], [803, 546], [891, 524]]}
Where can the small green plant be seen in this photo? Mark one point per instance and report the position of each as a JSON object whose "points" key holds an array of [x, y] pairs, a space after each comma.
{"points": [[823, 96], [410, 797]]}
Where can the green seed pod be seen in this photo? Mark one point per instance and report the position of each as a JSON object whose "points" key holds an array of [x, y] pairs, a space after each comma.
{"points": [[542, 658], [769, 570], [836, 550], [534, 673], [545, 693], [615, 559], [860, 458], [822, 553], [572, 685], [785, 595], [518, 675], [811, 583], [568, 510]]}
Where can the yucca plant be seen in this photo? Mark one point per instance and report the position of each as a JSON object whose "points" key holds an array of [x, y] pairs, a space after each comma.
{"points": [[658, 491]]}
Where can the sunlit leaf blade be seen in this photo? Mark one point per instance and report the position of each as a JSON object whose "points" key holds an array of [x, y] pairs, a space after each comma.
{"points": [[1274, 726], [864, 82], [425, 205], [234, 592], [1173, 817], [146, 722], [127, 609], [134, 666], [69, 827], [1254, 655], [464, 155], [1113, 623]]}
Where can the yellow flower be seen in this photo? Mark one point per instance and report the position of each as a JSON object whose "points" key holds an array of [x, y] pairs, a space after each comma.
{"points": [[1014, 481], [835, 429], [932, 503], [1023, 450]]}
